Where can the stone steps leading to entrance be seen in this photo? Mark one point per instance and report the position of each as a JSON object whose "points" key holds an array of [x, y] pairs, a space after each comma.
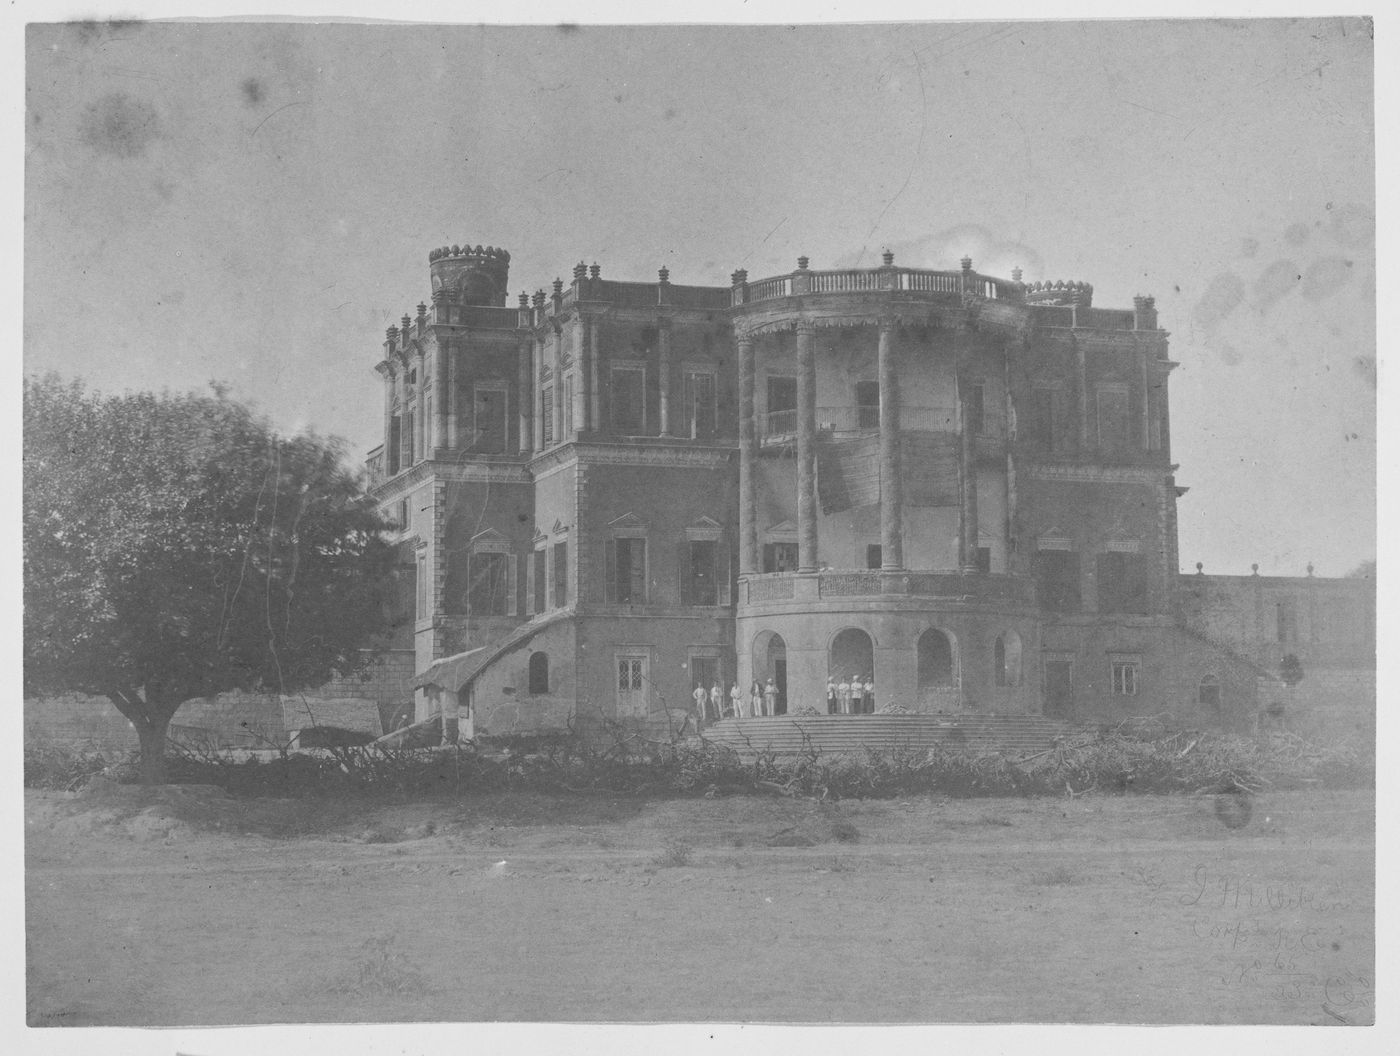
{"points": [[848, 734]]}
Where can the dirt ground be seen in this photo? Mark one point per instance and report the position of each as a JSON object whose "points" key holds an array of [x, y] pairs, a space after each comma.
{"points": [[184, 907]]}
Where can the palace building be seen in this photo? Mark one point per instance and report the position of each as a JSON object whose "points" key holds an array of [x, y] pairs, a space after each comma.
{"points": [[957, 485]]}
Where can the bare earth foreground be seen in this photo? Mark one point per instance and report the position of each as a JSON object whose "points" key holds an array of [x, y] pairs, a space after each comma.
{"points": [[193, 909]]}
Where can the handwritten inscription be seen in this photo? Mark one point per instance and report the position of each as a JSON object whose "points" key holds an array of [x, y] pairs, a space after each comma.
{"points": [[1228, 891]]}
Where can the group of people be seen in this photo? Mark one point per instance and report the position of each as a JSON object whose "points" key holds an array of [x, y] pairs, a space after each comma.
{"points": [[852, 695]]}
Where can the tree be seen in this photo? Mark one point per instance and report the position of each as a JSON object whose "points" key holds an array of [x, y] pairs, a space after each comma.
{"points": [[1365, 570], [176, 547]]}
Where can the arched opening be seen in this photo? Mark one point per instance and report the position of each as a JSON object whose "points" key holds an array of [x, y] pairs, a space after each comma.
{"points": [[1006, 659], [770, 661], [1208, 692], [539, 674], [935, 659], [852, 655]]}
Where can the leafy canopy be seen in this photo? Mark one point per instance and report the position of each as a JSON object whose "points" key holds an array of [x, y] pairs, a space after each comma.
{"points": [[176, 547]]}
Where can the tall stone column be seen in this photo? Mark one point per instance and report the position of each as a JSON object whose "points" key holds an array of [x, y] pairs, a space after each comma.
{"points": [[557, 365], [386, 370], [583, 417], [525, 386], [537, 406], [595, 414], [806, 450], [444, 426], [663, 360], [748, 461], [422, 433], [1081, 374], [967, 481], [891, 483]]}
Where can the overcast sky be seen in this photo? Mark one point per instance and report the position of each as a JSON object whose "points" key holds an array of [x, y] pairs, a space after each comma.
{"points": [[255, 203]]}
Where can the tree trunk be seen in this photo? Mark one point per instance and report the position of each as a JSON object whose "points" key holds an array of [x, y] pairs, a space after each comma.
{"points": [[152, 734]]}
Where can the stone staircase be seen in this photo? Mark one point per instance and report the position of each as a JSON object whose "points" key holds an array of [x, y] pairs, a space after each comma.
{"points": [[851, 734]]}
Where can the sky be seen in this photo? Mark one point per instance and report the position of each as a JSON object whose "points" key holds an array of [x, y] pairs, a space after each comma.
{"points": [[255, 202]]}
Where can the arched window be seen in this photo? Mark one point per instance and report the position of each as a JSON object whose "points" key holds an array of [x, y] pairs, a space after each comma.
{"points": [[1208, 693], [935, 659], [1006, 659], [539, 674]]}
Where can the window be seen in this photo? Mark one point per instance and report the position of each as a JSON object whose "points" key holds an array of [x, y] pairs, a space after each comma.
{"points": [[421, 576], [700, 405], [1208, 693], [1057, 580], [700, 581], [873, 555], [1114, 433], [984, 559], [486, 588], [1122, 583], [632, 674], [413, 376], [391, 449], [626, 576], [539, 674], [561, 575], [540, 582], [401, 600], [975, 405], [867, 405], [489, 411], [568, 406], [1126, 674], [782, 406], [1287, 620], [547, 413], [1006, 659], [1047, 425], [629, 400], [779, 557], [408, 437]]}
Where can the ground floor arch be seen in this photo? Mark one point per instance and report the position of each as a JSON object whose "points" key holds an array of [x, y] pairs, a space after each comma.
{"points": [[937, 671], [769, 659]]}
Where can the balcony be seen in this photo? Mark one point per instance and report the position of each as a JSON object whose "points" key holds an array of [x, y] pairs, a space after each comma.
{"points": [[831, 584], [872, 280], [780, 427]]}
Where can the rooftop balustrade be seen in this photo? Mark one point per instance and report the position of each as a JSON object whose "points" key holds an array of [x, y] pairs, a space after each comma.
{"points": [[948, 586]]}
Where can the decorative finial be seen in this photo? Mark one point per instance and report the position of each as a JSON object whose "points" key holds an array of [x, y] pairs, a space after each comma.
{"points": [[594, 270], [422, 309], [580, 271], [1016, 274], [391, 333], [405, 320], [538, 299], [739, 277], [664, 275], [1199, 567], [524, 299], [802, 263], [558, 287], [966, 263], [888, 257]]}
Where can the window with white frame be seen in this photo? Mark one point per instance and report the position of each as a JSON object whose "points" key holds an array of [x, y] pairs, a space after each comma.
{"points": [[701, 407], [1126, 675]]}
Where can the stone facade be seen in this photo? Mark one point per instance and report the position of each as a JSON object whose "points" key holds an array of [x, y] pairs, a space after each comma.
{"points": [[957, 484]]}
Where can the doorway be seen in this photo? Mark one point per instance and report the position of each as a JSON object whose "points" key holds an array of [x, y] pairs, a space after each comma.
{"points": [[1059, 689]]}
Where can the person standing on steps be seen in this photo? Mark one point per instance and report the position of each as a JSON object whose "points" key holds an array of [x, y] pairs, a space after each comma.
{"points": [[756, 698], [699, 696], [831, 701], [843, 695], [736, 700], [770, 698], [869, 701], [717, 701]]}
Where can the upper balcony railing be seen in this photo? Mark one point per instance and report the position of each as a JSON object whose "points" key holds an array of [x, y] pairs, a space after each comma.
{"points": [[856, 419], [950, 586], [867, 280]]}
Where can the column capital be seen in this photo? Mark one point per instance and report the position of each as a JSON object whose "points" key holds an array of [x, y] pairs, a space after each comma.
{"points": [[804, 326]]}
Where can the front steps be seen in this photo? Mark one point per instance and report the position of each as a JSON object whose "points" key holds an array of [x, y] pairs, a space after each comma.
{"points": [[853, 734]]}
